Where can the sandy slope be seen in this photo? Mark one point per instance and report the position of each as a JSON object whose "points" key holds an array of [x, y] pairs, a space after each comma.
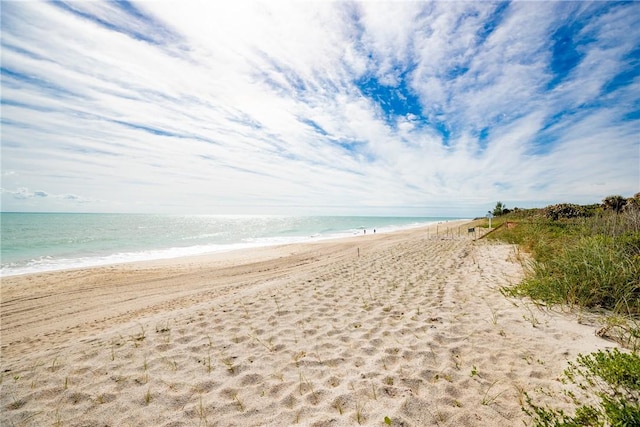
{"points": [[414, 328]]}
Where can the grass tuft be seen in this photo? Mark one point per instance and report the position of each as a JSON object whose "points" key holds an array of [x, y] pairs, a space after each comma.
{"points": [[589, 262]]}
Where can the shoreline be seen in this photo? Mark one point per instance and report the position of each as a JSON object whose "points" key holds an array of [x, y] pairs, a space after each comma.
{"points": [[405, 325], [177, 252]]}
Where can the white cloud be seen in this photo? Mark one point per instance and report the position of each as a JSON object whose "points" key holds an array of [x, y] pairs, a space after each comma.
{"points": [[24, 193], [254, 106]]}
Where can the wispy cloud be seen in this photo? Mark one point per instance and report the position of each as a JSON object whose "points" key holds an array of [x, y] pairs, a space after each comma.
{"points": [[318, 107], [25, 194]]}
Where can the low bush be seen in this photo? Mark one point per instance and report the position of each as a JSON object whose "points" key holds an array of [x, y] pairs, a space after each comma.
{"points": [[567, 210], [608, 387]]}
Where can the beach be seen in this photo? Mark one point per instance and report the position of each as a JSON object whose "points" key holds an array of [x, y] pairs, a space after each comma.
{"points": [[407, 328]]}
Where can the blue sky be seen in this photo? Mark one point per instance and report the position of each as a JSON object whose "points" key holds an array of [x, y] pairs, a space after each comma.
{"points": [[370, 108]]}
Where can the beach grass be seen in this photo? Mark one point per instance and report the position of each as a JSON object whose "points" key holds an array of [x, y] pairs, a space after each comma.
{"points": [[591, 262], [612, 377]]}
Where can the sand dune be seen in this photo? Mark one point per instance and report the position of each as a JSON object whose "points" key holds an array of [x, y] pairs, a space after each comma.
{"points": [[407, 326]]}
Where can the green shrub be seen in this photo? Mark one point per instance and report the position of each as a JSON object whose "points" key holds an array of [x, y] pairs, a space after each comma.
{"points": [[609, 393], [567, 210]]}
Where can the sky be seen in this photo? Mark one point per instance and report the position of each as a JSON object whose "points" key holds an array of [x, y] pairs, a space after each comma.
{"points": [[317, 107]]}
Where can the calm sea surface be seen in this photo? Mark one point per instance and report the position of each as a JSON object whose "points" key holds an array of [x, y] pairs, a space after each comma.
{"points": [[34, 242]]}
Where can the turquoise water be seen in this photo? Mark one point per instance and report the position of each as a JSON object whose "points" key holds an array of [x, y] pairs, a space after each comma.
{"points": [[34, 242]]}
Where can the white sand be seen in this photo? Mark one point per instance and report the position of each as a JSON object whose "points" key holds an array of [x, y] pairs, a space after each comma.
{"points": [[414, 329]]}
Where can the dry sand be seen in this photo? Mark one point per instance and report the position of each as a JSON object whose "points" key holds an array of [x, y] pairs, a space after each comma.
{"points": [[408, 325]]}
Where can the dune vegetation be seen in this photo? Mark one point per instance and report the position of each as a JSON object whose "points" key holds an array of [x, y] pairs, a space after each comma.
{"points": [[586, 258]]}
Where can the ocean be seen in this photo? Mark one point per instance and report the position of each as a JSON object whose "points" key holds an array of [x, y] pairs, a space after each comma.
{"points": [[37, 242]]}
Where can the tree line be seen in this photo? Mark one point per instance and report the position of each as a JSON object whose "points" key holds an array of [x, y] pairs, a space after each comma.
{"points": [[614, 203]]}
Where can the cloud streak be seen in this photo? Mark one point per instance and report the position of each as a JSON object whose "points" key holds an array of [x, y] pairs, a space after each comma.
{"points": [[318, 107]]}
